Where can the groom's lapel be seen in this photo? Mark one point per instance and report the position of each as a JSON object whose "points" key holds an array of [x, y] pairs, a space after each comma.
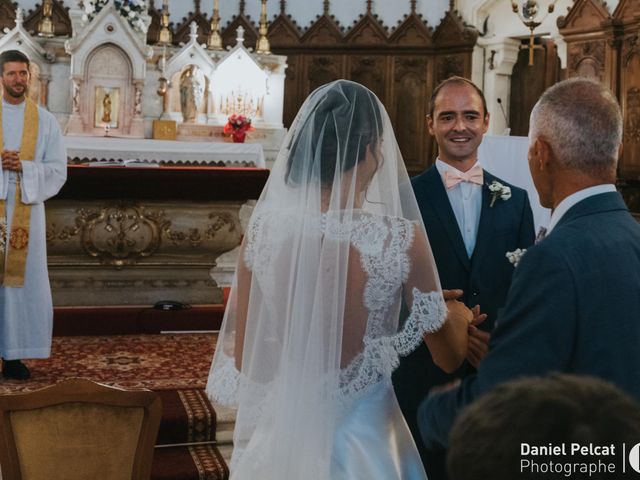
{"points": [[485, 227], [437, 195]]}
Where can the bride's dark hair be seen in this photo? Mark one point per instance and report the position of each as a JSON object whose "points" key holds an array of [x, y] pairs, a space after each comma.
{"points": [[344, 119]]}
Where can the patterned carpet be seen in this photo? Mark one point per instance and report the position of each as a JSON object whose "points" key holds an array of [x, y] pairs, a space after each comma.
{"points": [[158, 362]]}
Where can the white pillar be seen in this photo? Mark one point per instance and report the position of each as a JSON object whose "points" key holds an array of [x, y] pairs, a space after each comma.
{"points": [[500, 56]]}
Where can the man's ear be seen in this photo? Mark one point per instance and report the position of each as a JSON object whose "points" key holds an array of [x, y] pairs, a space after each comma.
{"points": [[430, 125], [544, 153], [485, 122]]}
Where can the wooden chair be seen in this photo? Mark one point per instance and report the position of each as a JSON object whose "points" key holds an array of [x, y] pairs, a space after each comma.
{"points": [[78, 430]]}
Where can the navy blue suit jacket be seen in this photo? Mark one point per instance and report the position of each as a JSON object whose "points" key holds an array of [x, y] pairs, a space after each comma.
{"points": [[485, 277], [574, 306]]}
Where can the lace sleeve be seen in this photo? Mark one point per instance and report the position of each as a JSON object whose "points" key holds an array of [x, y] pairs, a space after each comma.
{"points": [[428, 314], [381, 355], [223, 382], [251, 237]]}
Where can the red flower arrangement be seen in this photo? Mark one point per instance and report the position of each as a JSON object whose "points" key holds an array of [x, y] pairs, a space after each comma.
{"points": [[237, 127]]}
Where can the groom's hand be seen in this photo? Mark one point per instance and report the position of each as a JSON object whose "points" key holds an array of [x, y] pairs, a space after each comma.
{"points": [[478, 339], [457, 311], [452, 294]]}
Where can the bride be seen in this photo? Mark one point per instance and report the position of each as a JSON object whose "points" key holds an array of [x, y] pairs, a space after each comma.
{"points": [[311, 334]]}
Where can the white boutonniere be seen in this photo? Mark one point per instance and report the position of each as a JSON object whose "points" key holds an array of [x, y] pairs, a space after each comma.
{"points": [[498, 190], [515, 256]]}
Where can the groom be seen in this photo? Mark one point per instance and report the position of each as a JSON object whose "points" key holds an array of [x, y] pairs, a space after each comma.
{"points": [[470, 230], [574, 305]]}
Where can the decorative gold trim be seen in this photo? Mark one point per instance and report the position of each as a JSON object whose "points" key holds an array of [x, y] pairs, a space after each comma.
{"points": [[13, 258]]}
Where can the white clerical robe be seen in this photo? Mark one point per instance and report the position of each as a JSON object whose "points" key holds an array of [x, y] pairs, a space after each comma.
{"points": [[26, 313]]}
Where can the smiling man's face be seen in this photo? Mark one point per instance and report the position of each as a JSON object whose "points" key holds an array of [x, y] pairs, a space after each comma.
{"points": [[458, 124]]}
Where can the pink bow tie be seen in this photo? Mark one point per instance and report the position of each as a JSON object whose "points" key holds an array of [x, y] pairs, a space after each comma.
{"points": [[453, 178]]}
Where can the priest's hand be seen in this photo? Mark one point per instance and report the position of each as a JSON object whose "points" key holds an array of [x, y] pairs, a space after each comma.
{"points": [[11, 160], [478, 339]]}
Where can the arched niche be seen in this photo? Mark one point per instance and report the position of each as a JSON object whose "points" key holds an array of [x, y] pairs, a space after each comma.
{"points": [[109, 90], [95, 45], [240, 86]]}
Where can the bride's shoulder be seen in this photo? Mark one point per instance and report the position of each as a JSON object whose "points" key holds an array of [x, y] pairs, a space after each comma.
{"points": [[389, 221], [396, 231]]}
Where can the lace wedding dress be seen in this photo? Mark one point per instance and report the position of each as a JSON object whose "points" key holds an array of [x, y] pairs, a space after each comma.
{"points": [[371, 438], [312, 333]]}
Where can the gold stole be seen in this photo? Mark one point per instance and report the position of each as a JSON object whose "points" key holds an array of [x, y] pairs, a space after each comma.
{"points": [[14, 249]]}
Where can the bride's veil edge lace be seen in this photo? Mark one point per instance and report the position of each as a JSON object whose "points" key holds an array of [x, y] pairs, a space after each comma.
{"points": [[335, 243]]}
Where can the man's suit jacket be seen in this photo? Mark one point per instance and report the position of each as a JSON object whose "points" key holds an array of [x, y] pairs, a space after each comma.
{"points": [[574, 306], [485, 277]]}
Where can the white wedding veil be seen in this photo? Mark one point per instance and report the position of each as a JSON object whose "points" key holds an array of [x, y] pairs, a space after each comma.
{"points": [[333, 247]]}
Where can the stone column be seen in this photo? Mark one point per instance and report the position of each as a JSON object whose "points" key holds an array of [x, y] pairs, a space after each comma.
{"points": [[137, 121], [501, 55], [75, 125]]}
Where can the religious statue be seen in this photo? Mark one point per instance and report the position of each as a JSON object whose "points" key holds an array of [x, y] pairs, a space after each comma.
{"points": [[106, 108], [191, 92], [76, 96], [137, 105]]}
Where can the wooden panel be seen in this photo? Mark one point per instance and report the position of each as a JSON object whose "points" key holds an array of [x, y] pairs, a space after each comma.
{"points": [[529, 82], [409, 109], [630, 100], [401, 68], [293, 81], [607, 47], [7, 14], [59, 17], [370, 71], [321, 69]]}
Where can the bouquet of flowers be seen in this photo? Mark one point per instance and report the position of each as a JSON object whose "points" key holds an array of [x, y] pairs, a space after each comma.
{"points": [[237, 127]]}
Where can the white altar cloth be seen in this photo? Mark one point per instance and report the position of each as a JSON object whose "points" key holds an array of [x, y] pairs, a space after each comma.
{"points": [[109, 149], [506, 157]]}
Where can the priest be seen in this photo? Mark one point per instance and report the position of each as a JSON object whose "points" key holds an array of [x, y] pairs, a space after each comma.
{"points": [[34, 168]]}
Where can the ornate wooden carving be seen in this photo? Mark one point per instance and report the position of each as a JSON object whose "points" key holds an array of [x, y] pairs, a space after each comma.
{"points": [[181, 34], [367, 31], [59, 16], [627, 11], [322, 70], [412, 32], [401, 67], [448, 66], [452, 32], [607, 47], [250, 32], [324, 32], [583, 16], [587, 59], [7, 14], [153, 34], [283, 32], [408, 110], [369, 70]]}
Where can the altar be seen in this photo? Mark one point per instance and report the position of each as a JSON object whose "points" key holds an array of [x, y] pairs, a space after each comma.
{"points": [[98, 151], [136, 236], [157, 194]]}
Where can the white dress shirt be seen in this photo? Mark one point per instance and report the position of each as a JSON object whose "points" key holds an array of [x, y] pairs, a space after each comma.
{"points": [[466, 203], [564, 206]]}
